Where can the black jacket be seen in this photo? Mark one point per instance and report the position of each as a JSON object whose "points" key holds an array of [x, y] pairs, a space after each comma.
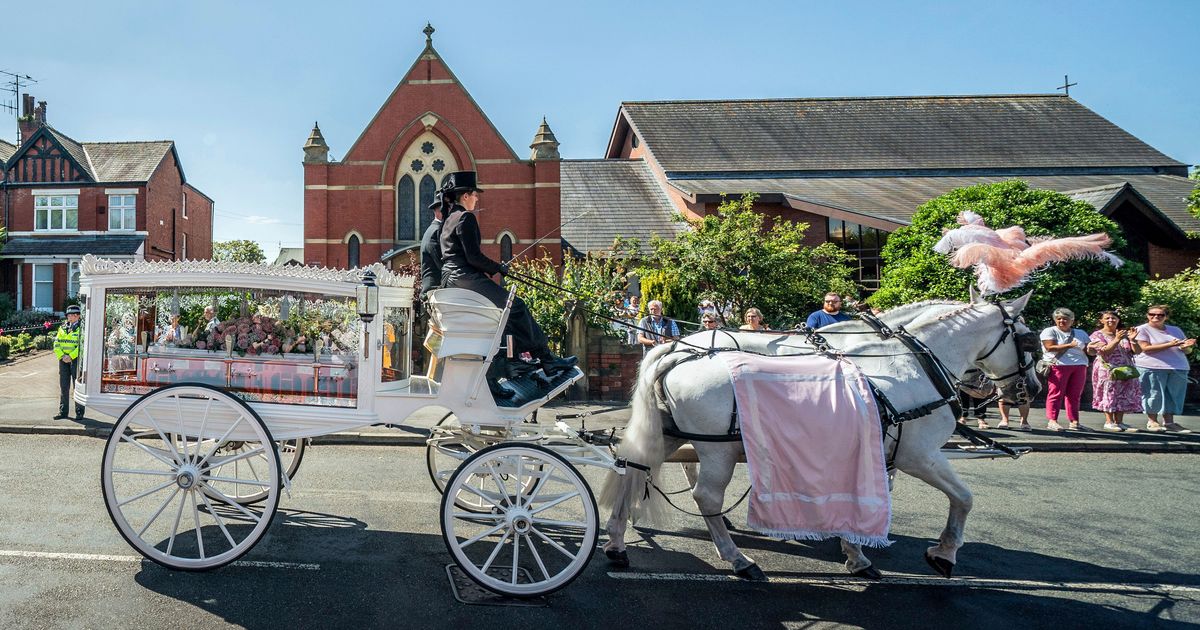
{"points": [[431, 257], [460, 241]]}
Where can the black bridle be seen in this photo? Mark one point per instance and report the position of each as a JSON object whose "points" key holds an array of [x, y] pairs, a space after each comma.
{"points": [[1027, 343]]}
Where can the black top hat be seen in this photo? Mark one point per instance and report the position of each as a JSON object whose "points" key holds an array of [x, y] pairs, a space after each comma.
{"points": [[461, 181], [437, 201], [73, 309]]}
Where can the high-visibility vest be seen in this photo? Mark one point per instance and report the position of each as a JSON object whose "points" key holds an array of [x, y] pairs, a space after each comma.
{"points": [[66, 342]]}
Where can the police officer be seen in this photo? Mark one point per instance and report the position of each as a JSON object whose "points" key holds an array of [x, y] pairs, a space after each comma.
{"points": [[465, 266], [66, 349], [431, 249]]}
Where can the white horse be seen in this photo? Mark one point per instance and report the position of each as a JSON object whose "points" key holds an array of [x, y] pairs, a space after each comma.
{"points": [[698, 395]]}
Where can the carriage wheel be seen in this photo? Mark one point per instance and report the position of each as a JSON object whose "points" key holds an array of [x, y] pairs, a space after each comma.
{"points": [[161, 484], [291, 453], [529, 543], [447, 450]]}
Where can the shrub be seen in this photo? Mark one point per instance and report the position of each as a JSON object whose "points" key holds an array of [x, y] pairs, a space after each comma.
{"points": [[5, 347], [43, 342], [1181, 292], [27, 319], [7, 306]]}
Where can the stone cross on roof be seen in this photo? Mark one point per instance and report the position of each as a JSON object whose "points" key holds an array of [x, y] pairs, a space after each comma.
{"points": [[428, 30]]}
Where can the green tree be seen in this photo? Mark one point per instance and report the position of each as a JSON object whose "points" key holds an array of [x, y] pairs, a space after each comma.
{"points": [[1180, 292], [238, 251], [593, 283], [913, 271], [1194, 198], [736, 257]]}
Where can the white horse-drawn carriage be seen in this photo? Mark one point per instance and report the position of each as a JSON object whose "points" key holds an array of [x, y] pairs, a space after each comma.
{"points": [[214, 409], [218, 373]]}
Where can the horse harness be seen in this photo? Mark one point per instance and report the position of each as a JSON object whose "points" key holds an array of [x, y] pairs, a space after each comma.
{"points": [[943, 381]]}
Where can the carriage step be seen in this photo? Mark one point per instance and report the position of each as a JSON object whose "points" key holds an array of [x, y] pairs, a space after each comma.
{"points": [[467, 591]]}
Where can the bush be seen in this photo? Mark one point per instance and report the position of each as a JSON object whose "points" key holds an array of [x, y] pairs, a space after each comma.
{"points": [[679, 300], [7, 306], [914, 272], [43, 342], [27, 319], [5, 347]]}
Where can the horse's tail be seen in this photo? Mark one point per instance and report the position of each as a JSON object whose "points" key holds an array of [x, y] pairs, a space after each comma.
{"points": [[629, 495]]}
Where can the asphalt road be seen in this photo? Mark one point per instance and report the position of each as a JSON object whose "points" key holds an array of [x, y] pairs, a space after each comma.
{"points": [[1055, 540]]}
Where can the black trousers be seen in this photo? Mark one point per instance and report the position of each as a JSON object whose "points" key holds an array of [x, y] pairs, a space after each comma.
{"points": [[527, 335], [66, 374]]}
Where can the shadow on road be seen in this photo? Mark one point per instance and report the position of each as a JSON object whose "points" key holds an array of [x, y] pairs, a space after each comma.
{"points": [[370, 578]]}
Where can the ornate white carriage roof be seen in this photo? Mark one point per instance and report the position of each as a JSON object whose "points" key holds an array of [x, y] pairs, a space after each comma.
{"points": [[384, 277]]}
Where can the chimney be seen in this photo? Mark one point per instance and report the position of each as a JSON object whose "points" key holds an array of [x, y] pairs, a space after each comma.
{"points": [[31, 117]]}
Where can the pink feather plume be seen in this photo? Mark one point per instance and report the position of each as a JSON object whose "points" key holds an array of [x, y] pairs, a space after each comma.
{"points": [[1005, 258]]}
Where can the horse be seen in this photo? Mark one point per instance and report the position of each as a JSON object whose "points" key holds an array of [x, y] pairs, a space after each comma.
{"points": [[698, 395]]}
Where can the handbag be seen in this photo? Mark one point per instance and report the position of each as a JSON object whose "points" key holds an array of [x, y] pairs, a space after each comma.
{"points": [[1121, 372], [1044, 364]]}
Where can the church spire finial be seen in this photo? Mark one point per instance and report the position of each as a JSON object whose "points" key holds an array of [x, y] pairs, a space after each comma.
{"points": [[428, 30]]}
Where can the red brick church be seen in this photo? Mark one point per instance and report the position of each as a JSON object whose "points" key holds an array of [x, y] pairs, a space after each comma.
{"points": [[372, 205]]}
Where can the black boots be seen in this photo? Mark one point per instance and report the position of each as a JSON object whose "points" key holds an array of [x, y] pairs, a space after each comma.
{"points": [[552, 365]]}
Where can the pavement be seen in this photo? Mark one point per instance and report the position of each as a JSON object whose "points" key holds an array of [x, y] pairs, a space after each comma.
{"points": [[29, 400]]}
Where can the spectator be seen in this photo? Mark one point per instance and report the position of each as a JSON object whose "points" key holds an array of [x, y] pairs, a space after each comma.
{"points": [[708, 321], [1164, 368], [173, 334], [1004, 408], [830, 313], [754, 320], [974, 392], [1114, 346], [656, 329], [1064, 346], [631, 315]]}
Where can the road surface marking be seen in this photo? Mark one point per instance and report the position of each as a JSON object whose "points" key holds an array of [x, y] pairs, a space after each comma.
{"points": [[97, 557], [902, 579]]}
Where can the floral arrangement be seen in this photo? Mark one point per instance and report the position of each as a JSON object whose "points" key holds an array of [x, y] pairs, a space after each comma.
{"points": [[252, 335]]}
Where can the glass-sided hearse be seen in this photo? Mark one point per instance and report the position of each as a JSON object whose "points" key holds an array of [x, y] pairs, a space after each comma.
{"points": [[218, 372]]}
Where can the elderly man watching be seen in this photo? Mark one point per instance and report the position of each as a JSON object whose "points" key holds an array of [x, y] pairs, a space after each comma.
{"points": [[656, 328]]}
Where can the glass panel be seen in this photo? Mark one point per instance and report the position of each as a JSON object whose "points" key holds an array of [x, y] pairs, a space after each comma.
{"points": [[72, 218], [254, 344], [869, 239], [835, 231], [405, 212], [428, 188], [41, 219], [41, 202], [397, 328], [352, 250], [852, 239], [43, 273], [506, 244]]}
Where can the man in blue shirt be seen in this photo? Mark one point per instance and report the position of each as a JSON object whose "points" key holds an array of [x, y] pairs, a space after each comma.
{"points": [[830, 313]]}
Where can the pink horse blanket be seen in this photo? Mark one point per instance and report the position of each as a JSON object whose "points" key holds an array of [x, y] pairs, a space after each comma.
{"points": [[814, 448]]}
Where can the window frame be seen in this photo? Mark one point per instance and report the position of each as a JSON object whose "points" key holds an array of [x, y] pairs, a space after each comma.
{"points": [[48, 208], [35, 282], [123, 207]]}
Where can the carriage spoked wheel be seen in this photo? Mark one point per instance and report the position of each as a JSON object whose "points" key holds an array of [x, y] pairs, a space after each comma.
{"points": [[291, 453], [448, 450], [164, 469], [529, 543]]}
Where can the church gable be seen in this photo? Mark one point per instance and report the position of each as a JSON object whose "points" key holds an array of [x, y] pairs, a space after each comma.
{"points": [[429, 85], [49, 157]]}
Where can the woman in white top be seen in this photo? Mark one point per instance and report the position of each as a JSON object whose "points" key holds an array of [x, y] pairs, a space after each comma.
{"points": [[1064, 345], [1163, 368]]}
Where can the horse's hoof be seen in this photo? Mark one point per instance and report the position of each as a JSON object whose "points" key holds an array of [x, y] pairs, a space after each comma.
{"points": [[752, 574], [943, 566], [868, 573], [616, 558]]}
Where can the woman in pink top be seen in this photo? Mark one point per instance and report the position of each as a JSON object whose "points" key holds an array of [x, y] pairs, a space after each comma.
{"points": [[1164, 368]]}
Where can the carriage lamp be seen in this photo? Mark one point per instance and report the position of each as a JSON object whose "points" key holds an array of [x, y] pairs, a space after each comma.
{"points": [[367, 297]]}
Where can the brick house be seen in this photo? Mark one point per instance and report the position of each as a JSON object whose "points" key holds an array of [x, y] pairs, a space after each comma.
{"points": [[371, 205], [856, 169], [61, 199]]}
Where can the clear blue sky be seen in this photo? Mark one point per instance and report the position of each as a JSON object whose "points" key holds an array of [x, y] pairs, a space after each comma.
{"points": [[237, 85]]}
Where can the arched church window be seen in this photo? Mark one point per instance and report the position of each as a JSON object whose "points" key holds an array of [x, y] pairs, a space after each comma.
{"points": [[352, 247], [428, 188], [406, 210], [423, 163], [506, 244]]}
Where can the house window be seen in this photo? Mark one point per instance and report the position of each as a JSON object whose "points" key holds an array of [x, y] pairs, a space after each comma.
{"points": [[506, 243], [122, 212], [73, 278], [56, 212], [183, 204], [427, 160], [183, 254], [865, 243], [43, 287], [352, 247]]}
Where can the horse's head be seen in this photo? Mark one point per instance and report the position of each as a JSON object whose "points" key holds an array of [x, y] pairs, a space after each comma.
{"points": [[1008, 360]]}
